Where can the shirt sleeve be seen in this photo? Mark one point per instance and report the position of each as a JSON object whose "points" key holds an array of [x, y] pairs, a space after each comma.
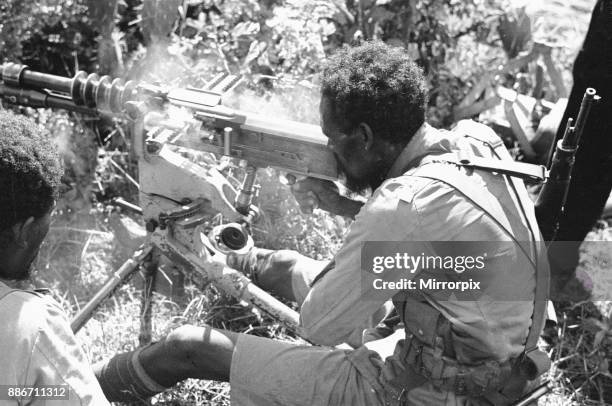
{"points": [[345, 299], [56, 358]]}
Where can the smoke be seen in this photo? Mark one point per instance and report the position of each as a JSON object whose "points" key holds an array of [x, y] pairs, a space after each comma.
{"points": [[157, 65], [79, 152], [298, 102], [177, 63]]}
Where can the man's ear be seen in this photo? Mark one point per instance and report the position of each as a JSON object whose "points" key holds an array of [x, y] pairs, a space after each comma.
{"points": [[366, 135], [22, 231]]}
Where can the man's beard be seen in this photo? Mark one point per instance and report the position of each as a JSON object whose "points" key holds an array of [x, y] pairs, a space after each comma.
{"points": [[374, 177]]}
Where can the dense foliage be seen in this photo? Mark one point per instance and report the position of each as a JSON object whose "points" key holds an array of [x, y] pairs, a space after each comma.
{"points": [[274, 42]]}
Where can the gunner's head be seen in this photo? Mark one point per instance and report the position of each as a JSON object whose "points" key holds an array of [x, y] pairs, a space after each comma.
{"points": [[373, 100]]}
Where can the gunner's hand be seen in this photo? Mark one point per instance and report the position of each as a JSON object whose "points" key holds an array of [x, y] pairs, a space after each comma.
{"points": [[260, 261], [311, 193], [276, 271]]}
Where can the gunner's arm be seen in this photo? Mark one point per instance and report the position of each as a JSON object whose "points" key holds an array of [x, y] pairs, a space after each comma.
{"points": [[344, 299]]}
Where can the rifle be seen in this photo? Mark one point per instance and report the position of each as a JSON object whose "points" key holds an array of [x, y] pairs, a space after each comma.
{"points": [[553, 195], [181, 201]]}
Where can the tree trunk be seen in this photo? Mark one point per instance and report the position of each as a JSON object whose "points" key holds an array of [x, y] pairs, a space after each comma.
{"points": [[592, 177], [102, 16]]}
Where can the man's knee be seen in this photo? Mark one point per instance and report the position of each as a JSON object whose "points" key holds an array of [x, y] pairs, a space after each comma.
{"points": [[199, 352], [183, 342]]}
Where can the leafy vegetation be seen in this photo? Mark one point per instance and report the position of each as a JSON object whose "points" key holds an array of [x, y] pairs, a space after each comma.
{"points": [[278, 45]]}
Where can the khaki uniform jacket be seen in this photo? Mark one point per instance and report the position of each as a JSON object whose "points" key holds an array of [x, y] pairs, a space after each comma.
{"points": [[38, 348]]}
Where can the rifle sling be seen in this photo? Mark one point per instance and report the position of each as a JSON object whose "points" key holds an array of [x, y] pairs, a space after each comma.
{"points": [[510, 168]]}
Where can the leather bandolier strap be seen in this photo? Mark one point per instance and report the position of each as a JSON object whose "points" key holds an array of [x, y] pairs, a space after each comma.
{"points": [[498, 383]]}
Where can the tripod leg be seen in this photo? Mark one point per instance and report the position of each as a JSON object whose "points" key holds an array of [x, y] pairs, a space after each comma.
{"points": [[116, 279], [150, 268], [178, 286]]}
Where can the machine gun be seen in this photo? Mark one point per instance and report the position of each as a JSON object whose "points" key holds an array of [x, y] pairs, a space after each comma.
{"points": [[181, 201]]}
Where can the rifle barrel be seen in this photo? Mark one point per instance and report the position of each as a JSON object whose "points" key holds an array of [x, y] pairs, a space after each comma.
{"points": [[572, 138]]}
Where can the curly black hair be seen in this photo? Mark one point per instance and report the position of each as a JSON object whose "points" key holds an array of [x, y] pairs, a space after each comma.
{"points": [[30, 170], [379, 85]]}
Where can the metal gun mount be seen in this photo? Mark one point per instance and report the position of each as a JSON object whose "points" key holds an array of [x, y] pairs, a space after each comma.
{"points": [[181, 202]]}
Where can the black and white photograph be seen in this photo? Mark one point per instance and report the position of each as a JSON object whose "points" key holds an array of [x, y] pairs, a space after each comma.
{"points": [[305, 202]]}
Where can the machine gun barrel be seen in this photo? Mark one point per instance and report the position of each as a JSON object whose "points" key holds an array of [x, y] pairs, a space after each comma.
{"points": [[36, 99], [551, 200], [89, 91], [20, 75]]}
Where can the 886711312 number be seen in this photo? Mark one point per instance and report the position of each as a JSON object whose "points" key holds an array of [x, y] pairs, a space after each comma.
{"points": [[45, 392]]}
